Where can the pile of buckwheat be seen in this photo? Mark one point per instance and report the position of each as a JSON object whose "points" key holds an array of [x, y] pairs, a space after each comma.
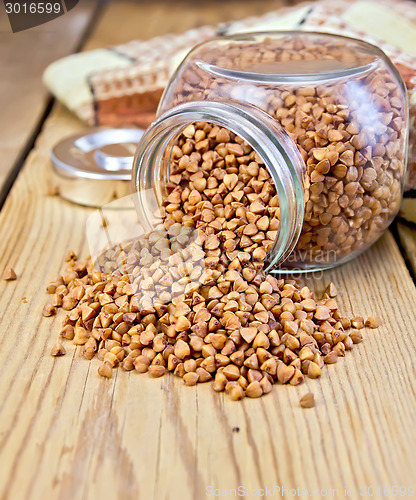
{"points": [[192, 297]]}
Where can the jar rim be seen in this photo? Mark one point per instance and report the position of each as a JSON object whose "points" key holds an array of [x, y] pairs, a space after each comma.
{"points": [[277, 150]]}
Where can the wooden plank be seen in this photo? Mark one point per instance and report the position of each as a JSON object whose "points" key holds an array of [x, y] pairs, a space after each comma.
{"points": [[23, 57], [407, 237], [67, 433]]}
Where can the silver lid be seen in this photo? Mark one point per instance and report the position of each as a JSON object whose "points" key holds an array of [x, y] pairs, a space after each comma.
{"points": [[94, 167]]}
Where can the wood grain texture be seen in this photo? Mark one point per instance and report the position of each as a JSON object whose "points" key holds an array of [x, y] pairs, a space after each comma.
{"points": [[157, 17], [67, 433], [407, 237], [23, 58]]}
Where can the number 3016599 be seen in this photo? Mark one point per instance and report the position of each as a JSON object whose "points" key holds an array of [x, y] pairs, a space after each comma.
{"points": [[33, 8], [387, 491]]}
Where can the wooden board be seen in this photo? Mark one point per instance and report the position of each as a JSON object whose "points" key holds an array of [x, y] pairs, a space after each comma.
{"points": [[23, 57], [67, 433], [158, 17]]}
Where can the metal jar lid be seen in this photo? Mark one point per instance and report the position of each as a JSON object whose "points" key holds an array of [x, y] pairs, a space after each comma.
{"points": [[94, 167]]}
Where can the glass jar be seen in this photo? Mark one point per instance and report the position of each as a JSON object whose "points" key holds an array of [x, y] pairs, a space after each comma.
{"points": [[328, 117]]}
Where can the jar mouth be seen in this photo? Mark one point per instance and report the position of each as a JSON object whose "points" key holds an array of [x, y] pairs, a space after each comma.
{"points": [[274, 146]]}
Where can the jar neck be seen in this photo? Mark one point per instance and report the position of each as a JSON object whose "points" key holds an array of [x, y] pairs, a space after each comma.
{"points": [[275, 147]]}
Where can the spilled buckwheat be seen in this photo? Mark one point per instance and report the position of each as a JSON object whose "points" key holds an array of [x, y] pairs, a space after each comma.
{"points": [[192, 296]]}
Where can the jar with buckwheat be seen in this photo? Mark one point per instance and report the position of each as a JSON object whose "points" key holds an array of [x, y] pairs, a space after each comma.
{"points": [[289, 146]]}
